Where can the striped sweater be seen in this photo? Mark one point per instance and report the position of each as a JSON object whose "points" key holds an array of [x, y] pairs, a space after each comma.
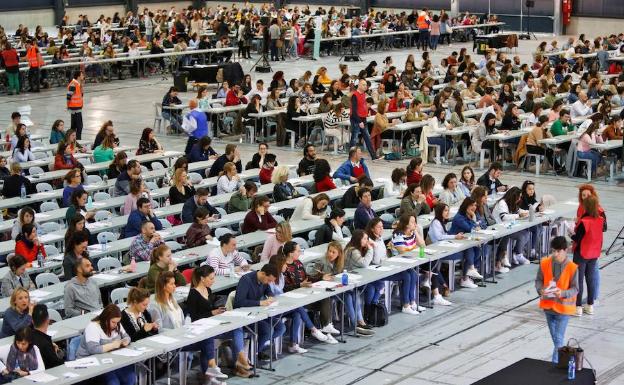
{"points": [[221, 263]]}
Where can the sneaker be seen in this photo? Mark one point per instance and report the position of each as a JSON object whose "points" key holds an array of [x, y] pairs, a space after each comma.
{"points": [[418, 308], [502, 270], [363, 331], [439, 300], [473, 273], [579, 311], [505, 262], [409, 310], [330, 329], [588, 309], [214, 381], [319, 335], [216, 373], [520, 259], [467, 283], [426, 283], [296, 349], [331, 339]]}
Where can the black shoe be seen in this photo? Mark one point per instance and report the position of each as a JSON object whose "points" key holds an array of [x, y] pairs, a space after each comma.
{"points": [[262, 356]]}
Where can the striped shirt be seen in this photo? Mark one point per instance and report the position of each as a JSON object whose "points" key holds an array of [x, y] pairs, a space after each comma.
{"points": [[399, 239], [332, 120], [221, 263]]}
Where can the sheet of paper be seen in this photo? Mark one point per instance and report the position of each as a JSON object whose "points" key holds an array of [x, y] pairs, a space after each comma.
{"points": [[183, 290], [214, 242], [39, 293], [352, 277], [238, 313], [274, 304], [548, 212], [57, 257], [292, 294], [125, 352], [162, 340], [41, 377], [207, 322], [401, 260], [96, 247], [325, 284], [449, 244], [70, 375], [106, 277], [487, 232], [52, 333], [107, 360], [83, 362], [163, 234], [379, 268]]}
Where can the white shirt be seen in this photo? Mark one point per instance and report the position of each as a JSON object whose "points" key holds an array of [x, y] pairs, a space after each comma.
{"points": [[579, 108]]}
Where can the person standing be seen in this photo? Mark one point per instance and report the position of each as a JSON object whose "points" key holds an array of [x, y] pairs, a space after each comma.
{"points": [[199, 125], [75, 102], [557, 285], [35, 62], [10, 61], [423, 23], [359, 112]]}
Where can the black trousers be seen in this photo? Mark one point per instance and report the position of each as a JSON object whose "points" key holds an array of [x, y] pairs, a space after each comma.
{"points": [[76, 123], [34, 78], [586, 270]]}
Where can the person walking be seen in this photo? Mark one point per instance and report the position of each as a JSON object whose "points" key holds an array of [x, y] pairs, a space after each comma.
{"points": [[557, 285], [359, 112], [75, 102], [10, 61], [35, 62]]}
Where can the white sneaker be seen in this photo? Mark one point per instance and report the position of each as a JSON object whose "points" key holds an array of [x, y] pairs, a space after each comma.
{"points": [[214, 381], [330, 339], [505, 262], [473, 273], [467, 283], [409, 310], [579, 311], [418, 308], [216, 373], [439, 300], [502, 270], [330, 329], [319, 335], [588, 309], [296, 349], [520, 259]]}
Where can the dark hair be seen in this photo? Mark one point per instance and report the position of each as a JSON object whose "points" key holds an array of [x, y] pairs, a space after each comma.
{"points": [[77, 238], [438, 211], [24, 334], [415, 162], [225, 238], [26, 210], [427, 182], [511, 197], [557, 243], [200, 213], [270, 270], [362, 191], [321, 169], [356, 241], [250, 186], [447, 179], [110, 311], [16, 262], [464, 205], [495, 166], [305, 149], [287, 248], [199, 273], [364, 180], [202, 192], [397, 175], [141, 201], [369, 227], [40, 315]]}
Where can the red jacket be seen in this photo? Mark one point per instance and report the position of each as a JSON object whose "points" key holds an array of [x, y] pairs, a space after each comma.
{"points": [[265, 175], [231, 99], [60, 164], [29, 253], [252, 223], [325, 184], [10, 58], [588, 242], [414, 177]]}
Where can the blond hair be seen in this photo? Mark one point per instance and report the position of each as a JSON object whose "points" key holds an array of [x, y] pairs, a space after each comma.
{"points": [[279, 173], [16, 292]]}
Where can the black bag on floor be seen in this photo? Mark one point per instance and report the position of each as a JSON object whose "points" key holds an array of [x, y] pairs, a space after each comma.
{"points": [[376, 314], [567, 351]]}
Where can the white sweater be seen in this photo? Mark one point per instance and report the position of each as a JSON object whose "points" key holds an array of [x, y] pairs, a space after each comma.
{"points": [[303, 211], [501, 212]]}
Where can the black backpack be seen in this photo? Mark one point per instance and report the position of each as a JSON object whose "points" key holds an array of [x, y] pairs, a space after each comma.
{"points": [[376, 314]]}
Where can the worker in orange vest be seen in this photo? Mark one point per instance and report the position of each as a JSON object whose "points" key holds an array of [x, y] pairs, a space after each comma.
{"points": [[35, 62], [423, 23], [75, 102], [557, 285]]}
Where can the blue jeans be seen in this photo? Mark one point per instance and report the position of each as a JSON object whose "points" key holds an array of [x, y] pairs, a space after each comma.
{"points": [[299, 315], [264, 329], [174, 119], [355, 132], [434, 41], [350, 307], [423, 40], [595, 157], [586, 270], [442, 141], [557, 324], [596, 280], [372, 293], [407, 288], [236, 336], [121, 376], [206, 350], [521, 238], [536, 235], [470, 258]]}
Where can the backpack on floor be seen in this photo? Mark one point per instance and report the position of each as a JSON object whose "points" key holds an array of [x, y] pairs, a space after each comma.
{"points": [[376, 314]]}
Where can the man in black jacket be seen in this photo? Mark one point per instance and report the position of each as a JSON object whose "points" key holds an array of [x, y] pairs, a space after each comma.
{"points": [[490, 180], [232, 154], [52, 355], [200, 199]]}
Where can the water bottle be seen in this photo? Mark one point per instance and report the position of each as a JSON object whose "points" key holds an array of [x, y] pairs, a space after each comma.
{"points": [[89, 203], [133, 265], [103, 242], [571, 368], [23, 192], [40, 258], [345, 278], [167, 202], [187, 320], [232, 271], [421, 251], [531, 213], [105, 179], [473, 233]]}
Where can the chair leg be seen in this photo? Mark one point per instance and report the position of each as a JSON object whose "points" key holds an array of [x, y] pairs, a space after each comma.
{"points": [[537, 165]]}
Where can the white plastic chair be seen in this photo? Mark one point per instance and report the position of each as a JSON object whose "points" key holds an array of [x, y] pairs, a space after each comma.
{"points": [[108, 263], [51, 250], [157, 117], [311, 237], [303, 244], [94, 179], [221, 211], [119, 295], [195, 177], [144, 169], [49, 206], [173, 245], [279, 218], [157, 166], [107, 236], [35, 170], [102, 215], [50, 227], [46, 279], [54, 315], [151, 186], [346, 232], [220, 231], [43, 187], [101, 196], [302, 191]]}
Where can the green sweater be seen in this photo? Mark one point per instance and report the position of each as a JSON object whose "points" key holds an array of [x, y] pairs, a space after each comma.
{"points": [[239, 202], [153, 273], [557, 128]]}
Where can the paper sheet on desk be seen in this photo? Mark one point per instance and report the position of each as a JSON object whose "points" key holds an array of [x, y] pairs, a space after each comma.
{"points": [[125, 352], [238, 313], [325, 284], [70, 375], [295, 181], [379, 268], [106, 277], [56, 258], [449, 244], [95, 225], [400, 260], [41, 377], [487, 232], [51, 333], [353, 277], [97, 247], [83, 362], [163, 234], [39, 294], [183, 290], [548, 212], [206, 322], [292, 294], [162, 340]]}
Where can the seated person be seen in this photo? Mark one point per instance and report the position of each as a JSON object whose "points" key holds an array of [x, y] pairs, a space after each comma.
{"points": [[311, 207], [144, 212], [75, 248], [24, 357], [82, 294], [241, 199], [199, 232], [200, 199], [143, 244], [364, 212], [259, 217], [232, 154], [490, 180], [266, 171], [18, 315], [135, 318], [353, 167], [51, 354], [16, 276], [27, 244], [226, 258], [122, 184], [282, 189], [202, 150], [350, 199], [161, 261], [306, 165]]}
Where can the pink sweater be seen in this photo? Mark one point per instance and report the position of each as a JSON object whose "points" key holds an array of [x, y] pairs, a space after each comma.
{"points": [[586, 140], [271, 245]]}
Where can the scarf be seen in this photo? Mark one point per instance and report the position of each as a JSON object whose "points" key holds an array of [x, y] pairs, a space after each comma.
{"points": [[22, 360]]}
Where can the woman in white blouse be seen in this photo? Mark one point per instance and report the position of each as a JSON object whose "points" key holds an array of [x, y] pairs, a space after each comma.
{"points": [[452, 194], [228, 181], [102, 335], [396, 185], [507, 210], [311, 208], [436, 125]]}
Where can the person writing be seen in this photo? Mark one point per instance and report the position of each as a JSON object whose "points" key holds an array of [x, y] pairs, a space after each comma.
{"points": [[557, 285], [259, 217], [225, 257], [135, 318], [311, 208], [199, 232]]}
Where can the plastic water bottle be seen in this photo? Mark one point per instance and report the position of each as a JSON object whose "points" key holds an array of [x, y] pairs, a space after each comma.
{"points": [[103, 242], [89, 203], [23, 192], [133, 265], [105, 179], [167, 202], [473, 233], [531, 213], [345, 278], [421, 252], [571, 368], [232, 271], [40, 258]]}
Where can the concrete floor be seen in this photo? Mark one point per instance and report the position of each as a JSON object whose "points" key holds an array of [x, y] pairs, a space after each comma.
{"points": [[487, 328]]}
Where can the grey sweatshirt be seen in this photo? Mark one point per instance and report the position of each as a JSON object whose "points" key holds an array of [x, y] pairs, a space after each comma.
{"points": [[81, 298]]}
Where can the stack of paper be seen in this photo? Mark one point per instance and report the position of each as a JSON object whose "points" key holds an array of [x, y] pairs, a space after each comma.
{"points": [[127, 352], [325, 284], [41, 377]]}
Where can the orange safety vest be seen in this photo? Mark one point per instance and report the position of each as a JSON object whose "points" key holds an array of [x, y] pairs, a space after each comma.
{"points": [[422, 21], [559, 305], [32, 55], [75, 99]]}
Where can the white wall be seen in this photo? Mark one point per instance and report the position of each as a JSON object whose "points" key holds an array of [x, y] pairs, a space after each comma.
{"points": [[593, 26], [32, 18], [93, 12]]}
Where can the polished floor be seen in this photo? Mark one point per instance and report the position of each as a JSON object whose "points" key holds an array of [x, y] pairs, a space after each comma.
{"points": [[485, 330]]}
